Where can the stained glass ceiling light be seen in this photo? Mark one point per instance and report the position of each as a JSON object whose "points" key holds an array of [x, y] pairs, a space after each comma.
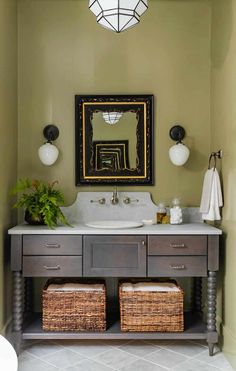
{"points": [[118, 15], [111, 117]]}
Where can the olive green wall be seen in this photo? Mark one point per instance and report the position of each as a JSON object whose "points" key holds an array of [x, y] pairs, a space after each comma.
{"points": [[63, 52], [8, 142], [223, 136]]}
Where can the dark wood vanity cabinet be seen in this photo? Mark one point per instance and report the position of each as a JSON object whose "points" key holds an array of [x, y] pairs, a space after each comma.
{"points": [[119, 256], [47, 256], [54, 255], [178, 256]]}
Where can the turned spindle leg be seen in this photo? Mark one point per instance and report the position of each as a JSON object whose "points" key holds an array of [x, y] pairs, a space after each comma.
{"points": [[17, 316], [28, 295], [212, 336], [197, 294]]}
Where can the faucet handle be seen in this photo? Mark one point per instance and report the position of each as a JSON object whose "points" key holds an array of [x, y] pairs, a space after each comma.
{"points": [[101, 201], [127, 200]]}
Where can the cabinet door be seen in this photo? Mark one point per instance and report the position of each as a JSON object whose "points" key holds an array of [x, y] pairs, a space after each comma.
{"points": [[114, 256]]}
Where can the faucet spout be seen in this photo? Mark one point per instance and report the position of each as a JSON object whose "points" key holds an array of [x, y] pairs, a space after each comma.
{"points": [[114, 198]]}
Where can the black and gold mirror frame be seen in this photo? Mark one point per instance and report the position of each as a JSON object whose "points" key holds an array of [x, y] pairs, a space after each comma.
{"points": [[114, 139]]}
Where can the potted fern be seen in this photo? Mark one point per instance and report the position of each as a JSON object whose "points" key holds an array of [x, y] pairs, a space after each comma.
{"points": [[41, 201]]}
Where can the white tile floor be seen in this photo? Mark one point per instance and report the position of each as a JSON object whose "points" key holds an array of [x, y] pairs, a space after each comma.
{"points": [[123, 355]]}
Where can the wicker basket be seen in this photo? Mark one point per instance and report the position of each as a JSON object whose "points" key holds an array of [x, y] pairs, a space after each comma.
{"points": [[74, 310], [147, 311]]}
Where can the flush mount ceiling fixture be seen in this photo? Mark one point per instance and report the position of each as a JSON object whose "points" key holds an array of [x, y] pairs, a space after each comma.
{"points": [[112, 118], [118, 15]]}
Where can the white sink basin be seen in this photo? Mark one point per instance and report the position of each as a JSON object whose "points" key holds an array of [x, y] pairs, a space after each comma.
{"points": [[114, 224]]}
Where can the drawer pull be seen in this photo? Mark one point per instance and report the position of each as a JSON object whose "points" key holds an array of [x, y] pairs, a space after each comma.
{"points": [[56, 268], [53, 245], [177, 245], [177, 266]]}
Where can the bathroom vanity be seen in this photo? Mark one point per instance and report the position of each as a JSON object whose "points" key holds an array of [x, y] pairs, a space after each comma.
{"points": [[155, 251], [152, 251]]}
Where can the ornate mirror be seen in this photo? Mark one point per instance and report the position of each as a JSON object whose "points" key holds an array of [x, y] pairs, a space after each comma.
{"points": [[114, 139]]}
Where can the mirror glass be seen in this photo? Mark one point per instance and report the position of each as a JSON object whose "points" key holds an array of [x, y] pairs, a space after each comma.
{"points": [[114, 139], [116, 145]]}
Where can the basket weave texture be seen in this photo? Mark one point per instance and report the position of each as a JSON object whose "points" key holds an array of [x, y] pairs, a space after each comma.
{"points": [[148, 311], [74, 310]]}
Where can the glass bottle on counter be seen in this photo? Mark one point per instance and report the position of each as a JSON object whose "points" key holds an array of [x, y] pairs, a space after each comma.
{"points": [[161, 212], [176, 216]]}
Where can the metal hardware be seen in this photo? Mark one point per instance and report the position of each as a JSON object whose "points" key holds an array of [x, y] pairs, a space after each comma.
{"points": [[51, 132], [114, 198], [177, 246], [143, 243], [177, 133], [53, 245], [56, 268], [218, 154], [101, 201], [127, 200], [176, 266]]}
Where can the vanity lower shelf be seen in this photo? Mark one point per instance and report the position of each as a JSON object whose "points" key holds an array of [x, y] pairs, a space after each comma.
{"points": [[195, 328]]}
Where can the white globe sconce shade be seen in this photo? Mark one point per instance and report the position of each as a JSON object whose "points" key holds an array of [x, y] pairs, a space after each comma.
{"points": [[118, 15], [178, 153], [48, 152]]}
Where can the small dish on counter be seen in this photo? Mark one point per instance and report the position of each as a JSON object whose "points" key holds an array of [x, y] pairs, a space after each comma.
{"points": [[148, 222]]}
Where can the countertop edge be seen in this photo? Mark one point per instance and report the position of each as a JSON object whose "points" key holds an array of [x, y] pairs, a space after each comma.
{"points": [[182, 229]]}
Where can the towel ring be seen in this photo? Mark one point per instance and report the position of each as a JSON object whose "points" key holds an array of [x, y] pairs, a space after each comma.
{"points": [[214, 155]]}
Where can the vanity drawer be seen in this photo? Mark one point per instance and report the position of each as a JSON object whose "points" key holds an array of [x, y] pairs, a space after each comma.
{"points": [[52, 266], [177, 245], [114, 256], [52, 245], [177, 266]]}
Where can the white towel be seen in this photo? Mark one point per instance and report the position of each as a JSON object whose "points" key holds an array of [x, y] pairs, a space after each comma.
{"points": [[212, 196], [149, 286], [75, 287], [206, 191]]}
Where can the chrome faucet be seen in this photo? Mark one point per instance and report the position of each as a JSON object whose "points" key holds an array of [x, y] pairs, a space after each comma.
{"points": [[114, 198]]}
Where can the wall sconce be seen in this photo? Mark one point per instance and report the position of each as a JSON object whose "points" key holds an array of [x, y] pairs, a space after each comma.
{"points": [[178, 153], [48, 153], [118, 15]]}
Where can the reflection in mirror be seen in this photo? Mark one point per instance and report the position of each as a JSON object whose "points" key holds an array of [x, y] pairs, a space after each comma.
{"points": [[112, 117], [114, 144], [114, 140]]}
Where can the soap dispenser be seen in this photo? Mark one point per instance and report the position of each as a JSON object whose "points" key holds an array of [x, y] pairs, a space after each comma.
{"points": [[161, 212]]}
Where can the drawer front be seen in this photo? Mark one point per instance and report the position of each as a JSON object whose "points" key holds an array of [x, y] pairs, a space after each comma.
{"points": [[52, 266], [114, 256], [177, 266], [177, 245], [52, 245]]}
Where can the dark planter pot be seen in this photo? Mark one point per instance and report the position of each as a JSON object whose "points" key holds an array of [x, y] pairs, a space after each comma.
{"points": [[33, 220]]}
